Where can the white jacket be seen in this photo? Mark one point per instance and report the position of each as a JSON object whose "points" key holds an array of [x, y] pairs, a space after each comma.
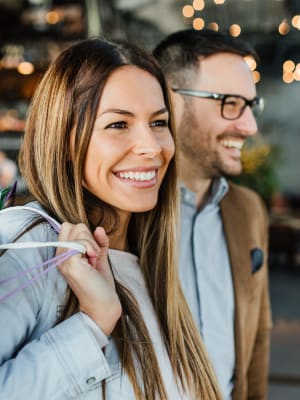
{"points": [[42, 360], [38, 359]]}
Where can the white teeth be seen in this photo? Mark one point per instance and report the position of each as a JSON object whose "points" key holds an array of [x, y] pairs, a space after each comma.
{"points": [[236, 144], [138, 176]]}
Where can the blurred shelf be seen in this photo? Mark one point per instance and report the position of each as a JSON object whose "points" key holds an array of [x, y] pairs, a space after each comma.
{"points": [[10, 143]]}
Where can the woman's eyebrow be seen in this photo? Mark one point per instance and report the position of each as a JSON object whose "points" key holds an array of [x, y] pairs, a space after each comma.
{"points": [[116, 111], [161, 111], [129, 113]]}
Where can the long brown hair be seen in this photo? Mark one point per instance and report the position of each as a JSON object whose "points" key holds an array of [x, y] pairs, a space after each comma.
{"points": [[67, 99]]}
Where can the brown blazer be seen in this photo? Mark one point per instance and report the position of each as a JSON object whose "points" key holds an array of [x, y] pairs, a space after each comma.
{"points": [[246, 228]]}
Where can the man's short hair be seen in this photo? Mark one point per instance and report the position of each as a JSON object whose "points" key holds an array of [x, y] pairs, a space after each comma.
{"points": [[183, 50]]}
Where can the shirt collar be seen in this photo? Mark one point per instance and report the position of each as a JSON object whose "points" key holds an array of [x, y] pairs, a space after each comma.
{"points": [[219, 188]]}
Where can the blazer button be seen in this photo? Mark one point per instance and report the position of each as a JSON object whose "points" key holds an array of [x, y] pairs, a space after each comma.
{"points": [[91, 380]]}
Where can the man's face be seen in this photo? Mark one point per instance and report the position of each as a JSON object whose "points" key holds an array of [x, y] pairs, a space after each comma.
{"points": [[211, 143]]}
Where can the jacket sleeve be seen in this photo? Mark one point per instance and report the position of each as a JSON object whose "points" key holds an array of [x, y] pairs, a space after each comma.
{"points": [[53, 362], [259, 365]]}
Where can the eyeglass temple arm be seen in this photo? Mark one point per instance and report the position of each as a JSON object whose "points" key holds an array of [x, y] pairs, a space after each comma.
{"points": [[198, 93]]}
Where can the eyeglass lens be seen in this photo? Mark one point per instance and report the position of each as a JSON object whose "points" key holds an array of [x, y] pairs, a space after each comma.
{"points": [[233, 107]]}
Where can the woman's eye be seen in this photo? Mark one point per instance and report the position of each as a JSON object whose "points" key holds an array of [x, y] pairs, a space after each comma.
{"points": [[159, 123], [117, 125]]}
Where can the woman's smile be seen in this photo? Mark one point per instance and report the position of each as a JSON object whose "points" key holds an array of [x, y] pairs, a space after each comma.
{"points": [[139, 178]]}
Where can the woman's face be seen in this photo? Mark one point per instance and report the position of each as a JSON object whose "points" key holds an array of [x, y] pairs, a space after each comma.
{"points": [[131, 145]]}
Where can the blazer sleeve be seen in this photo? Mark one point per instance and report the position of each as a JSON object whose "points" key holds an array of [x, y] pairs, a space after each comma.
{"points": [[259, 365], [61, 361]]}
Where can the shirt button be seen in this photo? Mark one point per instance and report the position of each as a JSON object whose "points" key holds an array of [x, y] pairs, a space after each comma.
{"points": [[91, 380]]}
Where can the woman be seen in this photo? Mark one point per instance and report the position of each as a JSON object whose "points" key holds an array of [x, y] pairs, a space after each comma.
{"points": [[98, 152]]}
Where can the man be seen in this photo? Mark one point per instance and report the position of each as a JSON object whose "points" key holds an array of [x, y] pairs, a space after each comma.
{"points": [[224, 227]]}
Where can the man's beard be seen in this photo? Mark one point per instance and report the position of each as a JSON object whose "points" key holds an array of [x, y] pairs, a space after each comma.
{"points": [[209, 162]]}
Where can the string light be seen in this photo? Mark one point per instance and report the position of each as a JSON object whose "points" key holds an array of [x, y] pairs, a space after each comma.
{"points": [[198, 24], [256, 76], [284, 28], [297, 73], [52, 17], [235, 30], [288, 66], [25, 68], [213, 26], [198, 5], [188, 11], [296, 21], [251, 62], [288, 77]]}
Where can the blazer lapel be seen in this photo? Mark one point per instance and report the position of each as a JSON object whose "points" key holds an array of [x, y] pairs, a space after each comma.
{"points": [[238, 249], [238, 243]]}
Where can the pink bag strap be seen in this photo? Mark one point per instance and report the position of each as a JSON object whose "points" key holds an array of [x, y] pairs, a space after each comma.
{"points": [[46, 266]]}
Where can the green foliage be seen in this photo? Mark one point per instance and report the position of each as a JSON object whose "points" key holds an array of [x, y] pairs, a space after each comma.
{"points": [[7, 195], [259, 170]]}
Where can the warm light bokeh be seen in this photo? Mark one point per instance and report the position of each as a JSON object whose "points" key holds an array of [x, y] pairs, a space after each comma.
{"points": [[198, 24], [25, 68], [235, 30], [188, 11]]}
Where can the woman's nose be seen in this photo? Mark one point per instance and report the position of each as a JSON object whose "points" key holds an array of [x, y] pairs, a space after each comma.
{"points": [[147, 144]]}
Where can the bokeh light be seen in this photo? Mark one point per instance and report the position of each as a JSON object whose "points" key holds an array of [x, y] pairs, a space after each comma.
{"points": [[288, 66], [198, 24], [25, 68], [284, 28], [213, 26], [52, 17], [296, 21], [235, 30], [251, 62], [188, 11], [256, 76], [198, 5], [288, 77]]}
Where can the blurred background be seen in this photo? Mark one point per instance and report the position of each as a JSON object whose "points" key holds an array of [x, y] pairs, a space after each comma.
{"points": [[33, 32]]}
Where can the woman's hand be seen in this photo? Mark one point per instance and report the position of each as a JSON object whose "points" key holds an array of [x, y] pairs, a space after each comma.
{"points": [[90, 276]]}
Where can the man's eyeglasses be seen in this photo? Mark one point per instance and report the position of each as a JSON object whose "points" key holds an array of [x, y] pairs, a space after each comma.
{"points": [[232, 105]]}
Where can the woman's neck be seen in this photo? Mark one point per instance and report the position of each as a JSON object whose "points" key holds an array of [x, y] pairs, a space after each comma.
{"points": [[118, 240]]}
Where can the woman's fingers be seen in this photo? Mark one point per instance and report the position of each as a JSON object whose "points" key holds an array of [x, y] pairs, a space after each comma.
{"points": [[102, 242], [90, 276], [102, 262], [101, 237], [79, 233]]}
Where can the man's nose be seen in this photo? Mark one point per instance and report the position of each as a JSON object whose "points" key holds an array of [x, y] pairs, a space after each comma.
{"points": [[247, 124]]}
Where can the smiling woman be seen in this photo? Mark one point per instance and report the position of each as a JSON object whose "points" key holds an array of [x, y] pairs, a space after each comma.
{"points": [[131, 144], [98, 159]]}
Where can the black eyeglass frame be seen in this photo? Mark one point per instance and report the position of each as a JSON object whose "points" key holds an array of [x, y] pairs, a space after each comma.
{"points": [[256, 101]]}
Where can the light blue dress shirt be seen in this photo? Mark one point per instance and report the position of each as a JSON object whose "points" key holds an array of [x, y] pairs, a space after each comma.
{"points": [[206, 279]]}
